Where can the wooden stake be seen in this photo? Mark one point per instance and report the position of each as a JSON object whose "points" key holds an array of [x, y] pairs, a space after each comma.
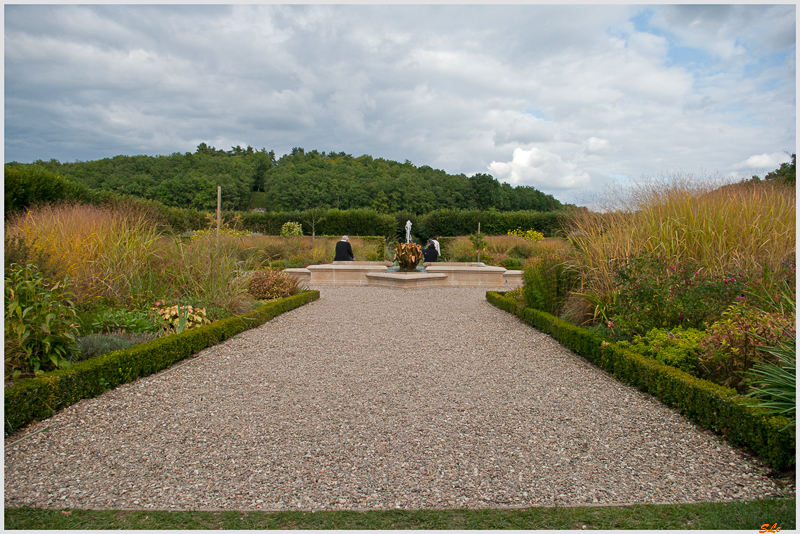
{"points": [[219, 211], [479, 242]]}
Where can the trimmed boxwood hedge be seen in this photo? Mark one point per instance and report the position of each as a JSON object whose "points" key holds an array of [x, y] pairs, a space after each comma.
{"points": [[39, 398], [713, 407]]}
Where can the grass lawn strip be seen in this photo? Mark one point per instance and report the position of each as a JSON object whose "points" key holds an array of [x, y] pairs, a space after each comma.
{"points": [[696, 516]]}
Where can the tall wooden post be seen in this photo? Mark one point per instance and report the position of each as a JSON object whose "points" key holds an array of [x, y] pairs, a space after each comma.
{"points": [[479, 242], [219, 211]]}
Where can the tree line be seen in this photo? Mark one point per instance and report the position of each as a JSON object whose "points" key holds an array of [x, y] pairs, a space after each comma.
{"points": [[300, 180], [27, 186]]}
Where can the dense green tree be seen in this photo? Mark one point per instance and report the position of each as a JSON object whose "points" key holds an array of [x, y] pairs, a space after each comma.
{"points": [[786, 172], [299, 180], [485, 191]]}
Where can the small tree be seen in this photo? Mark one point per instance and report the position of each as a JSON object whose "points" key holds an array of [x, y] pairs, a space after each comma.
{"points": [[478, 242], [316, 216]]}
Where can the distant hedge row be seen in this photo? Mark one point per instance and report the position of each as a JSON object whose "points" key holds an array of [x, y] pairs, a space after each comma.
{"points": [[714, 407], [39, 398], [435, 223], [465, 222], [27, 185]]}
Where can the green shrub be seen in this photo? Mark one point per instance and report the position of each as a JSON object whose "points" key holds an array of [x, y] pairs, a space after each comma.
{"points": [[28, 185], [291, 228], [731, 348], [678, 347], [656, 295], [517, 295], [523, 250], [40, 327], [97, 344], [269, 284], [116, 320], [511, 264]]}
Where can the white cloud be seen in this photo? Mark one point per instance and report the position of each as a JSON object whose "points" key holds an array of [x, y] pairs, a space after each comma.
{"points": [[538, 168], [457, 87], [515, 128], [648, 44], [597, 146], [762, 162]]}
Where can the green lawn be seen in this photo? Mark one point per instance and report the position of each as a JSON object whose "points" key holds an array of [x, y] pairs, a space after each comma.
{"points": [[705, 516]]}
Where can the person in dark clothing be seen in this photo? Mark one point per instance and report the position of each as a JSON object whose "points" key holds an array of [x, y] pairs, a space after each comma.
{"points": [[430, 253], [435, 241], [344, 252]]}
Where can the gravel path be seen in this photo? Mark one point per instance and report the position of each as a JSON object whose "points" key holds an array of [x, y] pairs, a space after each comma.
{"points": [[376, 398]]}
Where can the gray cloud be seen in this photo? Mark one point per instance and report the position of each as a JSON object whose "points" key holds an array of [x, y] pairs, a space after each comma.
{"points": [[559, 97]]}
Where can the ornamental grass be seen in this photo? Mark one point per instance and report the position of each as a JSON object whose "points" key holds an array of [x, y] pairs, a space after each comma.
{"points": [[97, 248], [117, 255], [745, 227]]}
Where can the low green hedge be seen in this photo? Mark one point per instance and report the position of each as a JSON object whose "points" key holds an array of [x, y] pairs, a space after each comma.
{"points": [[714, 407], [39, 398]]}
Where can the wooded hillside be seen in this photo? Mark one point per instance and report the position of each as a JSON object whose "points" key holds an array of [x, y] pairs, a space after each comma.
{"points": [[297, 181]]}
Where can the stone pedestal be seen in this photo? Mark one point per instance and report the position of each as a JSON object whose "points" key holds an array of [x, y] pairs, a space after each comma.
{"points": [[406, 280]]}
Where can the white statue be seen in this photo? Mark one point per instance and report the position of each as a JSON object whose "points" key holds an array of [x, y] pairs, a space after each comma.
{"points": [[408, 231]]}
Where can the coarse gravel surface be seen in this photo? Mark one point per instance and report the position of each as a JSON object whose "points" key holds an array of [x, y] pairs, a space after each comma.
{"points": [[376, 398]]}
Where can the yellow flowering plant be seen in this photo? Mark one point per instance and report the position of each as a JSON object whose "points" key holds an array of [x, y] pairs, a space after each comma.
{"points": [[528, 235]]}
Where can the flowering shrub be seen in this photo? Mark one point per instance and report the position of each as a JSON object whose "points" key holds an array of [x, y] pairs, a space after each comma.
{"points": [[269, 284], [529, 235], [291, 228], [654, 295], [732, 346]]}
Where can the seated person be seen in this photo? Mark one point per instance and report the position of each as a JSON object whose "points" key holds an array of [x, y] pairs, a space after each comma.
{"points": [[344, 252], [435, 241], [430, 253]]}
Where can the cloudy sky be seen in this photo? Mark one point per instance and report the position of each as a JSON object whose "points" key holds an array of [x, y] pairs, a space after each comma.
{"points": [[562, 98]]}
